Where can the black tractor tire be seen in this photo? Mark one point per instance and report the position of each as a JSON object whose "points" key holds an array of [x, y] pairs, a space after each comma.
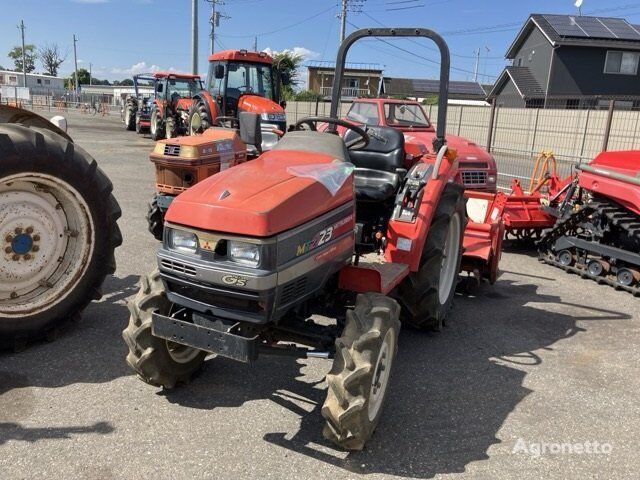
{"points": [[425, 307], [198, 113], [26, 151], [151, 357], [157, 125], [155, 219], [171, 128], [357, 384], [129, 117], [139, 128]]}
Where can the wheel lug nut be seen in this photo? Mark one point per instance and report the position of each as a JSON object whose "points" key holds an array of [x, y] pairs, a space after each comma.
{"points": [[15, 258], [14, 295], [8, 238], [36, 238], [8, 250], [27, 256], [18, 231], [35, 248], [29, 230]]}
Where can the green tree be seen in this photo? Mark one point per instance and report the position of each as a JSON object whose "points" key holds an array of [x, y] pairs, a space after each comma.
{"points": [[83, 78], [307, 96], [287, 64], [51, 58], [15, 54]]}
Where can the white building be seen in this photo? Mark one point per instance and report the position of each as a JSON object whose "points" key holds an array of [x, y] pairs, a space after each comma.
{"points": [[37, 83]]}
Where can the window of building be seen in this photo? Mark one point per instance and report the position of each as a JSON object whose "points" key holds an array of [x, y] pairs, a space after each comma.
{"points": [[39, 80], [1, 79], [520, 62], [13, 80], [47, 82], [621, 63]]}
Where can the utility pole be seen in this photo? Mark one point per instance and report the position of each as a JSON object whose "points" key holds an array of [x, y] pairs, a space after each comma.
{"points": [[75, 61], [343, 20], [255, 44], [24, 54], [90, 74], [194, 37], [475, 70], [215, 22]]}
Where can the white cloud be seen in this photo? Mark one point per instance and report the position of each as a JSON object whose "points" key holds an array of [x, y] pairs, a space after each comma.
{"points": [[140, 67], [305, 53]]}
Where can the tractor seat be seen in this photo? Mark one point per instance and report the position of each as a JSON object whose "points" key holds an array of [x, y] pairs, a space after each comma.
{"points": [[376, 174], [315, 142]]}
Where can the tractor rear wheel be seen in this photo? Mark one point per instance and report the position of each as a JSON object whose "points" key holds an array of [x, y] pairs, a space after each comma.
{"points": [[426, 295], [359, 378], [157, 125], [157, 361], [58, 232], [155, 219], [129, 119], [199, 119]]}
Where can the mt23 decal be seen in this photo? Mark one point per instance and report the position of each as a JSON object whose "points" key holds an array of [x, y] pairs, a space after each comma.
{"points": [[325, 235]]}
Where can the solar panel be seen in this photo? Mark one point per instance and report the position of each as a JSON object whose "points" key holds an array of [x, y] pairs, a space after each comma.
{"points": [[565, 26], [593, 27], [621, 28]]}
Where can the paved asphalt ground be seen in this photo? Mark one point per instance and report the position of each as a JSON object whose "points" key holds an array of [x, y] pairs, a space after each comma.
{"points": [[542, 356]]}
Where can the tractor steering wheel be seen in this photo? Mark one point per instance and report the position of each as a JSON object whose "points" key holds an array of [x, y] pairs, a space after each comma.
{"points": [[356, 144]]}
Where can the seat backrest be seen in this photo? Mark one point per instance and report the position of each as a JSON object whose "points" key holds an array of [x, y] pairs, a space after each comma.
{"points": [[384, 152], [308, 141]]}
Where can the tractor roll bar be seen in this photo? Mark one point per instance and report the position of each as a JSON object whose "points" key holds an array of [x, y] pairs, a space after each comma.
{"points": [[445, 62]]}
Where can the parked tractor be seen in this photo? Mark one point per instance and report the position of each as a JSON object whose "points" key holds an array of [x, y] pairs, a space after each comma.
{"points": [[57, 227], [241, 81], [319, 224], [136, 110], [182, 162], [477, 167]]}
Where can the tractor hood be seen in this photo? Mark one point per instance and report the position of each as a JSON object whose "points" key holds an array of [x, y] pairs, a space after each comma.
{"points": [[274, 193], [258, 104], [467, 150]]}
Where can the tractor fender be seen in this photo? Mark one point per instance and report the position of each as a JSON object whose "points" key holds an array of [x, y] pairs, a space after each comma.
{"points": [[209, 103], [29, 119]]}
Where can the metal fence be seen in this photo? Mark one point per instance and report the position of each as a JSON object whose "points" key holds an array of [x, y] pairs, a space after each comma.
{"points": [[515, 132]]}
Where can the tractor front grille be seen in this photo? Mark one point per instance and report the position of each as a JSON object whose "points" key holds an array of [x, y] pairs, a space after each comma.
{"points": [[470, 178], [178, 267], [172, 150], [293, 290]]}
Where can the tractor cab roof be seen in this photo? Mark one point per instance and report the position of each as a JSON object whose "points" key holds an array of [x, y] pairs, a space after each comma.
{"points": [[187, 76], [241, 56]]}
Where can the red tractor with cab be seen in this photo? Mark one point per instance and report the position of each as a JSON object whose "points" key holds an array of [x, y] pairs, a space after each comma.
{"points": [[319, 225], [476, 166], [241, 81]]}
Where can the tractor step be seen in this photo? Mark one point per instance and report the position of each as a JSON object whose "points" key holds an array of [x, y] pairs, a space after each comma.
{"points": [[373, 274]]}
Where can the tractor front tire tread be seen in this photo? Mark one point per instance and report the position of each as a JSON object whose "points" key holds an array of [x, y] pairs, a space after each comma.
{"points": [[349, 381]]}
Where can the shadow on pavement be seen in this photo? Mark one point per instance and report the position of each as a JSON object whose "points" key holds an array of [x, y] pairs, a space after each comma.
{"points": [[89, 351], [14, 431], [450, 394]]}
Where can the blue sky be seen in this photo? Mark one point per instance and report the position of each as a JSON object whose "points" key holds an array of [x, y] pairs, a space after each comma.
{"points": [[121, 37]]}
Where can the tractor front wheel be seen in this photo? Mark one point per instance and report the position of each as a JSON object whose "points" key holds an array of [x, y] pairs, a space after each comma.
{"points": [[359, 378], [426, 295], [158, 362], [171, 128], [199, 119], [157, 126], [155, 219]]}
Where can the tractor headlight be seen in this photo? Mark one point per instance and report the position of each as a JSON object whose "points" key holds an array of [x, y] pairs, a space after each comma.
{"points": [[181, 241], [491, 179], [274, 117], [244, 253]]}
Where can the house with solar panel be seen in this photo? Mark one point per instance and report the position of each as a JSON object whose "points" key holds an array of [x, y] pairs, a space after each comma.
{"points": [[558, 60]]}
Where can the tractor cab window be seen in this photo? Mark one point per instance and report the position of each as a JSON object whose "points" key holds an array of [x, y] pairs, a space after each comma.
{"points": [[405, 115], [363, 112], [184, 87], [249, 78]]}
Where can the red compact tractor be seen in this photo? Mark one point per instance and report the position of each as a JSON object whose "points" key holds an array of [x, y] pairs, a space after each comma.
{"points": [[241, 81], [319, 225]]}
